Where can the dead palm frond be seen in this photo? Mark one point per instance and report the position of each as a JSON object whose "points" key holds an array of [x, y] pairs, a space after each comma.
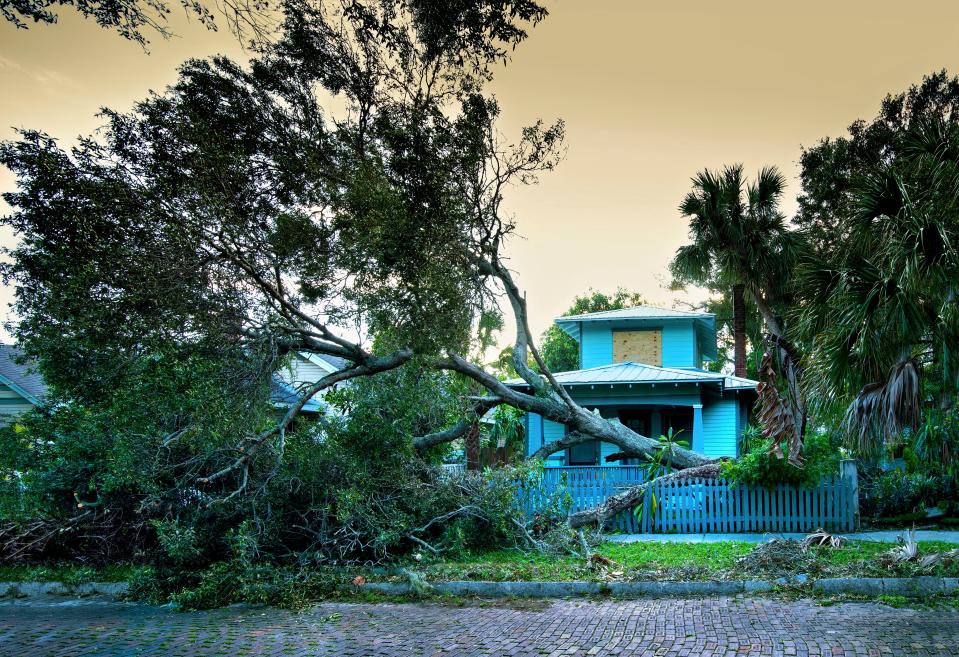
{"points": [[908, 547], [883, 410], [930, 561], [821, 537], [777, 417]]}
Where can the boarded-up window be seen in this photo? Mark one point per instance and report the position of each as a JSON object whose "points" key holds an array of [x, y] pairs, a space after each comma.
{"points": [[638, 346]]}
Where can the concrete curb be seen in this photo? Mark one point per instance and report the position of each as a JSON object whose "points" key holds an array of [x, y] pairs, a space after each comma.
{"points": [[60, 589], [909, 587]]}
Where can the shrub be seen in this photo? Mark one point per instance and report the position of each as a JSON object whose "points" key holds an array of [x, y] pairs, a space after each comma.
{"points": [[758, 467], [935, 444], [898, 493]]}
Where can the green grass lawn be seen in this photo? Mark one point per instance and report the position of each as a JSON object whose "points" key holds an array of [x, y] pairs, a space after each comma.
{"points": [[632, 561], [68, 574], [681, 561]]}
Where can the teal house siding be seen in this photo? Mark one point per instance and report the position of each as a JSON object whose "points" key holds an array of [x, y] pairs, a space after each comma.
{"points": [[720, 420], [679, 345], [597, 346], [540, 432], [534, 433], [605, 449], [553, 431]]}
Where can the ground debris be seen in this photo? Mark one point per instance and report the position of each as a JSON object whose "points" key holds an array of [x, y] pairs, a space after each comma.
{"points": [[820, 538], [777, 558], [907, 551], [605, 567]]}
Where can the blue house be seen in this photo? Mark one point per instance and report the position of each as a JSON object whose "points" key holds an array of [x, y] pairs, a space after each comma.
{"points": [[642, 366]]}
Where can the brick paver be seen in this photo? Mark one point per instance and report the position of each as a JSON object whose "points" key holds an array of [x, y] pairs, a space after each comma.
{"points": [[644, 628]]}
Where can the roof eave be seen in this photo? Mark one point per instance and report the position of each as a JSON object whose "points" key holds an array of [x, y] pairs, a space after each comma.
{"points": [[19, 390]]}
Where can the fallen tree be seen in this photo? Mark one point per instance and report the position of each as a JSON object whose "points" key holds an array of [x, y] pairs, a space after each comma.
{"points": [[240, 211]]}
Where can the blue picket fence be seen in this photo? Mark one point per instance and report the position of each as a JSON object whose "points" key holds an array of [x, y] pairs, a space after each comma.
{"points": [[697, 506]]}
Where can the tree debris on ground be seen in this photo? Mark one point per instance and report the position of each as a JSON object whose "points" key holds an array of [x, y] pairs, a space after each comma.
{"points": [[821, 538], [777, 558]]}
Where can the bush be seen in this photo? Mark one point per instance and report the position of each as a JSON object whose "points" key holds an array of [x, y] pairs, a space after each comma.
{"points": [[898, 494], [758, 467]]}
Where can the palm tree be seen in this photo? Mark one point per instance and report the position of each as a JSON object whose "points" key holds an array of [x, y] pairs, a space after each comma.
{"points": [[881, 308], [739, 243]]}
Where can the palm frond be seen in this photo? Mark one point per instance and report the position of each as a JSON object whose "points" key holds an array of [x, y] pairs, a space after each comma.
{"points": [[884, 409]]}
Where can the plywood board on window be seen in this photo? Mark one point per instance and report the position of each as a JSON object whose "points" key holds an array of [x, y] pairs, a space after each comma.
{"points": [[638, 346]]}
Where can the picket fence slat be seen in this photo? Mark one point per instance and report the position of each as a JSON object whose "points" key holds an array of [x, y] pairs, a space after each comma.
{"points": [[701, 505]]}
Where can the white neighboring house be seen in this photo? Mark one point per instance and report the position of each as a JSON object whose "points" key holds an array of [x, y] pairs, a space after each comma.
{"points": [[304, 370], [21, 386]]}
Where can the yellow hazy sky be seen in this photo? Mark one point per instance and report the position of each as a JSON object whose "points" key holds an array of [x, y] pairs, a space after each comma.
{"points": [[651, 93]]}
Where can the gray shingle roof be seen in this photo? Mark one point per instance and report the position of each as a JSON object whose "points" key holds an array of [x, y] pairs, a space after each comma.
{"points": [[639, 373], [22, 376]]}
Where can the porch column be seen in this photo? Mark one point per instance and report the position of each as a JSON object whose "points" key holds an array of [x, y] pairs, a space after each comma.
{"points": [[699, 437]]}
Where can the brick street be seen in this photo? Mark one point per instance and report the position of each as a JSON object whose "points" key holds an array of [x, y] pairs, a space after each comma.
{"points": [[646, 628]]}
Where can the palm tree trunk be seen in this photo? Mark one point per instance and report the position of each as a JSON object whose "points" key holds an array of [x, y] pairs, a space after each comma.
{"points": [[739, 329], [473, 447]]}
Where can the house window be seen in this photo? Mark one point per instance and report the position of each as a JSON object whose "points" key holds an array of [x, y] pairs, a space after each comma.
{"points": [[637, 420], [583, 454]]}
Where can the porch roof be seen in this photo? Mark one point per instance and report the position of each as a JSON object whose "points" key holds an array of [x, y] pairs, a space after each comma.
{"points": [[630, 372]]}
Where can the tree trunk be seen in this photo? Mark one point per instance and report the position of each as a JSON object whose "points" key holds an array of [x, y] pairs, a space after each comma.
{"points": [[473, 447], [739, 329]]}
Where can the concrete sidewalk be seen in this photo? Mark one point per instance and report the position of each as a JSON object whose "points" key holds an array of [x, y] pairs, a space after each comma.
{"points": [[889, 536]]}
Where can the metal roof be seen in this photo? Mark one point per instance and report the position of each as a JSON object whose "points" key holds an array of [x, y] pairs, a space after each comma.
{"points": [[637, 312], [739, 383], [629, 372], [22, 378]]}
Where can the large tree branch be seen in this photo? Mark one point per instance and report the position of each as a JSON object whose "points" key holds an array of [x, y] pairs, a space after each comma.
{"points": [[524, 340], [586, 426], [631, 497], [480, 408]]}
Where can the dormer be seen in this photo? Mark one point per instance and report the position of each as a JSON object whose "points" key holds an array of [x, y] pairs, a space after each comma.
{"points": [[644, 334]]}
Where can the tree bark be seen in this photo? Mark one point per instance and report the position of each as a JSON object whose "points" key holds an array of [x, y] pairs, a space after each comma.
{"points": [[739, 329]]}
